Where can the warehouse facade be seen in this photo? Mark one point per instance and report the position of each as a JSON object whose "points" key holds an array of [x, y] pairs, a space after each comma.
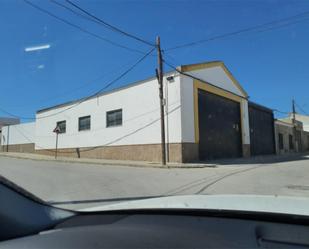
{"points": [[125, 123], [207, 116]]}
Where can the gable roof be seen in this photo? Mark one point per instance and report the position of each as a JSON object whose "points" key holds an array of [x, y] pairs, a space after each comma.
{"points": [[182, 68], [204, 65]]}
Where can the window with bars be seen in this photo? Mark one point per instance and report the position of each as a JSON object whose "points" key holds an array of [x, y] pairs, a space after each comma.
{"points": [[114, 118], [84, 123]]}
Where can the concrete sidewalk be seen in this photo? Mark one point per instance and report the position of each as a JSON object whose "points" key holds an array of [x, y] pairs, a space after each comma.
{"points": [[32, 156], [268, 159]]}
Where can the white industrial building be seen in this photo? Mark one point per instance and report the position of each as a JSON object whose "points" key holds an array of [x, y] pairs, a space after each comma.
{"points": [[18, 137], [206, 117]]}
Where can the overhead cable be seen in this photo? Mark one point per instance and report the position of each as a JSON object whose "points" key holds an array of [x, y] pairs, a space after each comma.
{"points": [[268, 26], [82, 29], [105, 144], [89, 97], [100, 21], [199, 79], [300, 108]]}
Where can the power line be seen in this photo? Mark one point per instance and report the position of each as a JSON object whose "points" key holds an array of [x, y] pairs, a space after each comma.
{"points": [[106, 144], [245, 30], [199, 79], [72, 90], [282, 26], [82, 29], [194, 77], [282, 112], [300, 108], [112, 27], [99, 21], [125, 121], [89, 97]]}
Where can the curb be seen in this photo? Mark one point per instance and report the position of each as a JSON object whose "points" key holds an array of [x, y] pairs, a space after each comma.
{"points": [[111, 163]]}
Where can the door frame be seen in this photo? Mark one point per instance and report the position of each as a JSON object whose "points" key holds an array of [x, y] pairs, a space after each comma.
{"points": [[212, 89]]}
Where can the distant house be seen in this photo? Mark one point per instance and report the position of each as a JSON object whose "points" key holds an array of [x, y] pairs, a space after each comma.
{"points": [[304, 119], [292, 137], [8, 121]]}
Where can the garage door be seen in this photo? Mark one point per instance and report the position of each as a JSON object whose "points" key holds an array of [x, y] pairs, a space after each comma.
{"points": [[261, 121], [219, 127]]}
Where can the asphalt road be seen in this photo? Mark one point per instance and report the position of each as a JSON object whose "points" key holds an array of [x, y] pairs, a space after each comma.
{"points": [[75, 186]]}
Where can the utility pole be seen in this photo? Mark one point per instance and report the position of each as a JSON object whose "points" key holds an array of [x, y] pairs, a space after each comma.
{"points": [[167, 125], [293, 110], [159, 72], [294, 125]]}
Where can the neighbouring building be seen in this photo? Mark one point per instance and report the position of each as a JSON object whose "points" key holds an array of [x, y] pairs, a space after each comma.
{"points": [[207, 116], [19, 137], [289, 137], [4, 121], [302, 118]]}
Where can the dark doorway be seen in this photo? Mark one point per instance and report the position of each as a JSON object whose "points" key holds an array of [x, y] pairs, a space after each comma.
{"points": [[261, 121], [219, 127]]}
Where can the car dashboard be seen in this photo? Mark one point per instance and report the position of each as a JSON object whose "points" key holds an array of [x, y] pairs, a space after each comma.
{"points": [[166, 229]]}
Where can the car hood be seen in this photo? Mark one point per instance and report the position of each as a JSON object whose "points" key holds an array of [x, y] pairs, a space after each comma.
{"points": [[253, 203]]}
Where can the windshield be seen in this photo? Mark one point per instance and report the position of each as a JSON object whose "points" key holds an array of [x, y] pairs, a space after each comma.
{"points": [[105, 102]]}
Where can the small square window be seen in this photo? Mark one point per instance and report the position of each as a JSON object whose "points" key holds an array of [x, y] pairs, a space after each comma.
{"points": [[62, 126], [114, 118], [84, 123]]}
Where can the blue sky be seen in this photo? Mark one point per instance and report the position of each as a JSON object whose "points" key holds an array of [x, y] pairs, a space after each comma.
{"points": [[272, 66]]}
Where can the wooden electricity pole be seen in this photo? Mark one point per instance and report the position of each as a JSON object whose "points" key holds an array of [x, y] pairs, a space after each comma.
{"points": [[294, 125], [293, 110], [159, 72]]}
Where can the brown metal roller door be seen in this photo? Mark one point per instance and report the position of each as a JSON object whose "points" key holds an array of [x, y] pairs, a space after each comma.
{"points": [[219, 127]]}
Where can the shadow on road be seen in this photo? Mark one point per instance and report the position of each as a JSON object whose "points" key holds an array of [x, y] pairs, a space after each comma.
{"points": [[267, 159]]}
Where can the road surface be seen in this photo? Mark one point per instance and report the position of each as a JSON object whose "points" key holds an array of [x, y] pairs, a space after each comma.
{"points": [[75, 186]]}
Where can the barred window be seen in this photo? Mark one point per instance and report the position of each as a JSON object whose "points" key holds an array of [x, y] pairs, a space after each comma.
{"points": [[114, 118], [84, 123]]}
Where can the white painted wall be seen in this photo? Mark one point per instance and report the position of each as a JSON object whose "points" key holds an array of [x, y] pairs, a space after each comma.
{"points": [[245, 122], [141, 116], [18, 134], [187, 110], [216, 76], [141, 119]]}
